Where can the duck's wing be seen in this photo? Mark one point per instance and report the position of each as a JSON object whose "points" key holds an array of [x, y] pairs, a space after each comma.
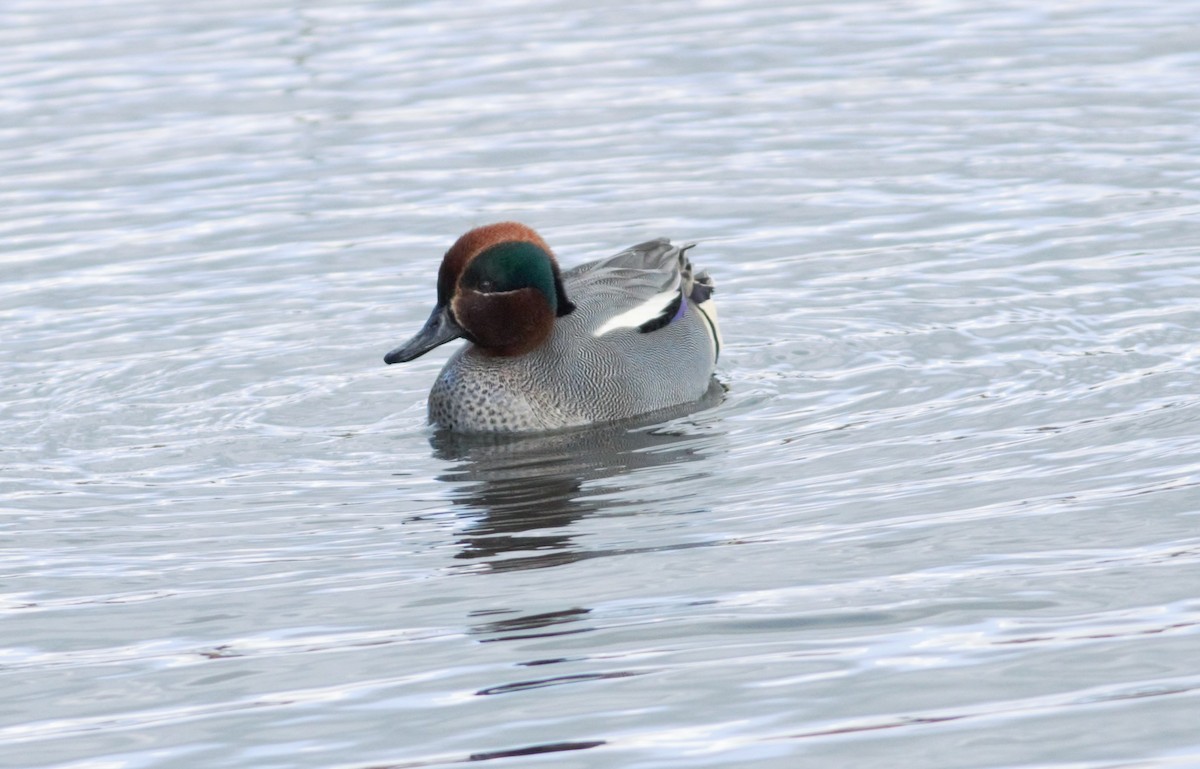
{"points": [[640, 289]]}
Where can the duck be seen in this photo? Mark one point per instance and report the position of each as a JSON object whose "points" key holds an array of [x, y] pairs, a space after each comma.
{"points": [[549, 349]]}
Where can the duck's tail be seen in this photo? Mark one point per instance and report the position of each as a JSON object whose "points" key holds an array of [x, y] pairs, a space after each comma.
{"points": [[699, 287]]}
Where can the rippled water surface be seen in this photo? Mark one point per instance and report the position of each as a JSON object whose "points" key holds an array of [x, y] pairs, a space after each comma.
{"points": [[945, 513]]}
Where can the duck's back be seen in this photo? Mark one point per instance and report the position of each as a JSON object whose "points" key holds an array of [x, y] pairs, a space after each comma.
{"points": [[638, 340]]}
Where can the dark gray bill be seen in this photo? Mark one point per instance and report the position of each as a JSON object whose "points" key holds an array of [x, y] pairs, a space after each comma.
{"points": [[439, 329]]}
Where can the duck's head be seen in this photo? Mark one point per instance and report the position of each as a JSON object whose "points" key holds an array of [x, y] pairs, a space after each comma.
{"points": [[499, 287]]}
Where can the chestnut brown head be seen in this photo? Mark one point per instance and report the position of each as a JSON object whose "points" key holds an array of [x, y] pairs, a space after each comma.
{"points": [[500, 287]]}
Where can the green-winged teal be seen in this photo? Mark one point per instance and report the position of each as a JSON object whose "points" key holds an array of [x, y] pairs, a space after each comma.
{"points": [[603, 341]]}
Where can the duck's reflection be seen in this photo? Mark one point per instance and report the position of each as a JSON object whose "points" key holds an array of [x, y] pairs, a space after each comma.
{"points": [[521, 495]]}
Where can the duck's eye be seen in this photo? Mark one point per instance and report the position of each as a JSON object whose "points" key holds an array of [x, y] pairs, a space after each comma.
{"points": [[486, 285]]}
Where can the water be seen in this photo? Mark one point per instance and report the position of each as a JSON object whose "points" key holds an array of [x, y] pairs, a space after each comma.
{"points": [[945, 514]]}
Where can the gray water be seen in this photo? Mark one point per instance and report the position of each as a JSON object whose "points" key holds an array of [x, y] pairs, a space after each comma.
{"points": [[945, 513]]}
